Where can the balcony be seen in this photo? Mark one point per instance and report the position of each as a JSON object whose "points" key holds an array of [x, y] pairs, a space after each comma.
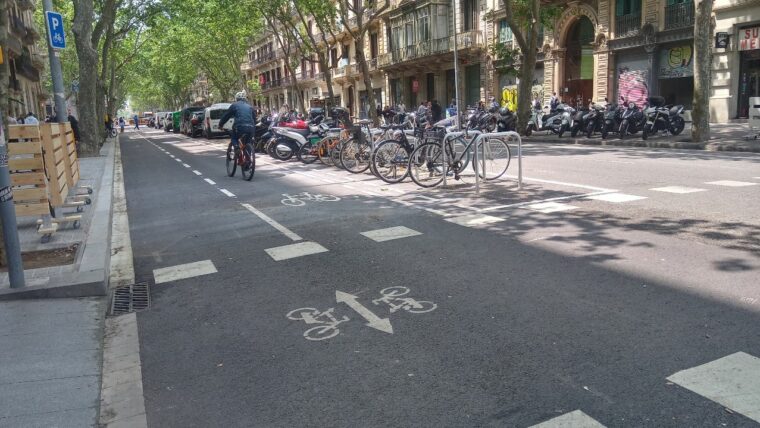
{"points": [[339, 72], [679, 15], [372, 64], [269, 56], [14, 44], [627, 25], [466, 40], [25, 68], [276, 83], [25, 4], [38, 62], [32, 35]]}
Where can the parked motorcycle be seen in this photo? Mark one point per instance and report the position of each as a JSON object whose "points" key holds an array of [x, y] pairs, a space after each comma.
{"points": [[557, 121], [661, 118], [289, 140], [593, 121], [506, 120], [631, 120], [612, 118]]}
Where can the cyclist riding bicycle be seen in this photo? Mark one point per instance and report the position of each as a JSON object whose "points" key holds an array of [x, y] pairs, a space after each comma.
{"points": [[245, 120]]}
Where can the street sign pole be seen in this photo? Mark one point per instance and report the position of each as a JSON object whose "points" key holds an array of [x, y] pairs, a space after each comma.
{"points": [[56, 22], [8, 216]]}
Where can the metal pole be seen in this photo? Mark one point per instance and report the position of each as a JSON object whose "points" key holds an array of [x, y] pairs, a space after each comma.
{"points": [[8, 216], [519, 162], [55, 71], [456, 68], [475, 164]]}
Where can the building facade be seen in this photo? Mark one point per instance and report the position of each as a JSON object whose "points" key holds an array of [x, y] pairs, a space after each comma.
{"points": [[25, 62], [595, 50]]}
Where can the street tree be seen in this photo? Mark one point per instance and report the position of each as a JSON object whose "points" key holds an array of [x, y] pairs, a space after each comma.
{"points": [[704, 25], [356, 17], [525, 18]]}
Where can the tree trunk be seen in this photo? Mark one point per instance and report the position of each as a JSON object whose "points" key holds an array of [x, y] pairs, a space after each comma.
{"points": [[325, 68], [703, 30], [89, 121], [525, 87], [367, 78]]}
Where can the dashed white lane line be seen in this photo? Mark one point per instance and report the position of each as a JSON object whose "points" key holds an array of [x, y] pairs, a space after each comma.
{"points": [[196, 172], [178, 160], [678, 189], [228, 193], [731, 183], [209, 181], [188, 270], [474, 220], [285, 231], [573, 419], [616, 197], [732, 381], [295, 250], [550, 207], [390, 233], [186, 165]]}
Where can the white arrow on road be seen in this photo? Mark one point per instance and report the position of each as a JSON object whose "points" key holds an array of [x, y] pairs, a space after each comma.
{"points": [[382, 324]]}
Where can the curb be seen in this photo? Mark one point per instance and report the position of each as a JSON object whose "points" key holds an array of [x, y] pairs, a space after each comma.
{"points": [[92, 277], [716, 146]]}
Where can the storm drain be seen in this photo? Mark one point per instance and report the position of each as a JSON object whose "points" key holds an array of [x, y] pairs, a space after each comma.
{"points": [[130, 298]]}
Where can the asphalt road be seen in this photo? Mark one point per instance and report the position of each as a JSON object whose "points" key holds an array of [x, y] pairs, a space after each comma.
{"points": [[522, 306]]}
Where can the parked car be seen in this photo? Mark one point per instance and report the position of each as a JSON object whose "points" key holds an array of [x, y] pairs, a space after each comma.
{"points": [[212, 115], [176, 119], [190, 120], [160, 118], [168, 122]]}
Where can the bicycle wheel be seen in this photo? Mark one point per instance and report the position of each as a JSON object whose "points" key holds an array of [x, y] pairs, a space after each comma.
{"points": [[354, 155], [335, 155], [390, 161], [493, 158], [308, 154], [426, 165], [323, 151], [231, 161], [249, 163]]}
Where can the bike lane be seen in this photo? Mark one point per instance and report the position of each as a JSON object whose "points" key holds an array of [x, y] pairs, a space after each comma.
{"points": [[513, 335]]}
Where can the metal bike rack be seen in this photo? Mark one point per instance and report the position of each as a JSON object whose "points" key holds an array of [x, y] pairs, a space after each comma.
{"points": [[496, 135], [451, 136]]}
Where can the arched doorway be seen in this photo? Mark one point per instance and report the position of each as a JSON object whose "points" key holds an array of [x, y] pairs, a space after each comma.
{"points": [[579, 61]]}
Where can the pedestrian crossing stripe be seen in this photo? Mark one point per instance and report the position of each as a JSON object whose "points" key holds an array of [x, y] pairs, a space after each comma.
{"points": [[574, 419], [390, 233]]}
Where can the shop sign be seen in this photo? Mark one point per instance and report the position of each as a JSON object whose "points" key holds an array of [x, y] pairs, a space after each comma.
{"points": [[721, 40], [676, 61], [749, 39], [415, 86]]}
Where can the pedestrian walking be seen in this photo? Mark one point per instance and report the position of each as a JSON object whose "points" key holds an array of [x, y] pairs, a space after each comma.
{"points": [[122, 123], [554, 101], [74, 125], [137, 122]]}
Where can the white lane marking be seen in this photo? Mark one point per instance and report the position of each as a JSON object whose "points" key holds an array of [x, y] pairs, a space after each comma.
{"points": [[299, 249], [172, 156], [733, 381], [678, 189], [227, 192], [731, 183], [616, 197], [374, 321], [573, 419], [550, 207], [521, 204], [390, 233], [285, 231], [186, 165], [178, 160], [563, 183], [474, 220], [209, 181], [196, 172], [187, 270]]}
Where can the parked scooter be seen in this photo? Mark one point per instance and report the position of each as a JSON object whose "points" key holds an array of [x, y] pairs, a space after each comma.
{"points": [[593, 121], [661, 118], [506, 120], [557, 121], [612, 118], [631, 120], [289, 140]]}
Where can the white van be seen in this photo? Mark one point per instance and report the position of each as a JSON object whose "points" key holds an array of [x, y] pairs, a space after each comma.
{"points": [[160, 117], [211, 119]]}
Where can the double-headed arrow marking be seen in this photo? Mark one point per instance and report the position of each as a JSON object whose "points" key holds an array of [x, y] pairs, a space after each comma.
{"points": [[382, 324]]}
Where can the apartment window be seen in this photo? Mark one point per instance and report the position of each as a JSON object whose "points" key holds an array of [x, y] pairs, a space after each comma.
{"points": [[409, 34], [423, 25], [505, 33], [334, 57], [470, 15], [629, 7], [373, 45], [396, 38]]}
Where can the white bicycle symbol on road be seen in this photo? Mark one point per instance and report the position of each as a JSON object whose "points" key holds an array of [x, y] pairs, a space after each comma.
{"points": [[328, 323], [300, 199], [392, 296]]}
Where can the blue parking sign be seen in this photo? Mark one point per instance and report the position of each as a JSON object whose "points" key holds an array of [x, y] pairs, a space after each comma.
{"points": [[56, 35]]}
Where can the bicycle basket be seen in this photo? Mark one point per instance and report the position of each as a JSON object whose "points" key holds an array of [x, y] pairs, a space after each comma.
{"points": [[435, 134]]}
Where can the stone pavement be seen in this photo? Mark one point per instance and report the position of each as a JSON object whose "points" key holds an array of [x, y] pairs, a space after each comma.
{"points": [[50, 362], [723, 137], [90, 265]]}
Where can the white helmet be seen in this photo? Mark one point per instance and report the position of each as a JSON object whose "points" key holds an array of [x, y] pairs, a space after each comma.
{"points": [[240, 96]]}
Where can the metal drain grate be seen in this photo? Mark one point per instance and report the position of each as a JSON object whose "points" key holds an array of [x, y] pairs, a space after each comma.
{"points": [[130, 298]]}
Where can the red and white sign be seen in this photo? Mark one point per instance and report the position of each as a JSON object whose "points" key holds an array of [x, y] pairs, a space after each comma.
{"points": [[749, 39], [415, 86]]}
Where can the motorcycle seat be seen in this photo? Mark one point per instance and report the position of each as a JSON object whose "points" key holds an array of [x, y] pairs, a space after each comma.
{"points": [[675, 110]]}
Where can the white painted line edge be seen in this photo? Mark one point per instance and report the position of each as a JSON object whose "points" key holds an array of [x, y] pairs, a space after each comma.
{"points": [[184, 271], [390, 233], [228, 193], [284, 230], [209, 181], [196, 172], [291, 251]]}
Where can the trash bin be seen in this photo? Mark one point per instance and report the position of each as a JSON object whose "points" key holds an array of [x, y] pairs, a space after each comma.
{"points": [[754, 113]]}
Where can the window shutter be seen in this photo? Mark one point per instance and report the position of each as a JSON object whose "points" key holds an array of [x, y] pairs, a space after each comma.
{"points": [[620, 7]]}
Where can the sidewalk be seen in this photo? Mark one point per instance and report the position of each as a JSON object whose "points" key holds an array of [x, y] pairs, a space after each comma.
{"points": [[88, 273], [50, 362], [724, 137]]}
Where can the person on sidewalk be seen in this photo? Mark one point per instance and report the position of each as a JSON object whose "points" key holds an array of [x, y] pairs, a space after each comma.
{"points": [[137, 122], [31, 120], [74, 125], [122, 123]]}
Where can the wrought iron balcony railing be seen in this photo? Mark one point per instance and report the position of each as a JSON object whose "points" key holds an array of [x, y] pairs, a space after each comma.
{"points": [[627, 25], [679, 15]]}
